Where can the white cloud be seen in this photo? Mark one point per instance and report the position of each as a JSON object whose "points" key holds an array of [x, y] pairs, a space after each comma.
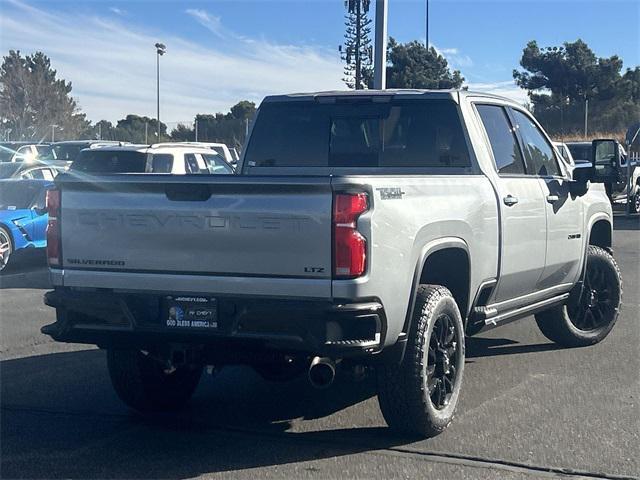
{"points": [[456, 59], [117, 11], [210, 22], [112, 64], [507, 88]]}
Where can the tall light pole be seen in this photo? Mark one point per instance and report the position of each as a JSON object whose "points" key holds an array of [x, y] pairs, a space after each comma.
{"points": [[380, 60], [160, 50], [426, 41]]}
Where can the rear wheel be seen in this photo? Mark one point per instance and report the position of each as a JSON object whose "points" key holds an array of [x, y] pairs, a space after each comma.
{"points": [[592, 308], [6, 248], [419, 396], [635, 201], [146, 385]]}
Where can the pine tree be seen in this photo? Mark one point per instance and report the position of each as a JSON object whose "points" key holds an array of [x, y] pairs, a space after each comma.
{"points": [[357, 52]]}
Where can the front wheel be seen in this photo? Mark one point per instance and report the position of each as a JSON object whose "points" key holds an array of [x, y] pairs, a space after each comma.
{"points": [[146, 385], [6, 248], [419, 396], [592, 308]]}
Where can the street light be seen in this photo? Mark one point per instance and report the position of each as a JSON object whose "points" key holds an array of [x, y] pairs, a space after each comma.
{"points": [[160, 50], [426, 21]]}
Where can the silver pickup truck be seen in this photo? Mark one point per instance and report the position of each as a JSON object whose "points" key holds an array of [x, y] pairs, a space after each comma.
{"points": [[371, 228]]}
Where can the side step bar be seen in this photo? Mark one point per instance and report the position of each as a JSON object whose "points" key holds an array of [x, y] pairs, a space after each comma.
{"points": [[520, 312]]}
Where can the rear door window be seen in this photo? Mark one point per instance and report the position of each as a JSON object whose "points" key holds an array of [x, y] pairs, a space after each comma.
{"points": [[506, 152], [216, 164], [161, 163]]}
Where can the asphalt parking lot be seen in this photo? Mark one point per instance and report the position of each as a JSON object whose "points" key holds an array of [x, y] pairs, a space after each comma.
{"points": [[529, 409]]}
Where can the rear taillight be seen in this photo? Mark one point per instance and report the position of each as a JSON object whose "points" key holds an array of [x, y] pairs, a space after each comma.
{"points": [[349, 246], [53, 228]]}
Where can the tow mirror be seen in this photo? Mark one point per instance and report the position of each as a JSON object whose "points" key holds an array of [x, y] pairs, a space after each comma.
{"points": [[581, 175], [606, 158]]}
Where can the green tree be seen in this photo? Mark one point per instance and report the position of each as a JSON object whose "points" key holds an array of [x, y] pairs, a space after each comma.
{"points": [[102, 130], [228, 128], [183, 133], [357, 52], [412, 65], [561, 79], [137, 129], [32, 99], [243, 110]]}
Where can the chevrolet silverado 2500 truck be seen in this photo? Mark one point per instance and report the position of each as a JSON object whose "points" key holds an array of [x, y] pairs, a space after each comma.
{"points": [[368, 228]]}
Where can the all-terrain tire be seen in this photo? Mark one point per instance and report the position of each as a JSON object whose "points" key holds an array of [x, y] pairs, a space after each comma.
{"points": [[593, 306], [635, 201], [142, 383], [406, 390]]}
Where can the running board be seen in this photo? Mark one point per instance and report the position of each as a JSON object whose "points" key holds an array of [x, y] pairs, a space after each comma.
{"points": [[520, 312]]}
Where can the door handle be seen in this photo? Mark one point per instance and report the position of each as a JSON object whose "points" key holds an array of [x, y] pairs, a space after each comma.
{"points": [[510, 200], [552, 198]]}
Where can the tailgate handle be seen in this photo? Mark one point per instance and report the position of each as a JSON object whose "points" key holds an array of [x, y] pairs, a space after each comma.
{"points": [[188, 193]]}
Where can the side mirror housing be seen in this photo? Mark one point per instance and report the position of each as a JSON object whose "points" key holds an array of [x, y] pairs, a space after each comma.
{"points": [[581, 176], [606, 160], [39, 210]]}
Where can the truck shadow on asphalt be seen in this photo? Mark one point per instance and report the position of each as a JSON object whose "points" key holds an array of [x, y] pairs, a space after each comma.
{"points": [[29, 272], [477, 347], [61, 419]]}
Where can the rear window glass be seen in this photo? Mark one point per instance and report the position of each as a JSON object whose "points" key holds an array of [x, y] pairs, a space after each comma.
{"points": [[426, 133], [68, 152], [17, 195], [97, 161]]}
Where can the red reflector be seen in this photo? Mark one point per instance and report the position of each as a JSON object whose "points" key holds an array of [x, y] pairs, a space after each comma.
{"points": [[53, 228], [53, 202], [350, 252], [53, 242], [349, 246]]}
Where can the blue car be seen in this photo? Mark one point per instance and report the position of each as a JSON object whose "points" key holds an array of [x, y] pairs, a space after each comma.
{"points": [[23, 217]]}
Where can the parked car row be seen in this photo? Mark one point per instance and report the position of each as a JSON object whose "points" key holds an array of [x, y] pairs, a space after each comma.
{"points": [[609, 158], [31, 169]]}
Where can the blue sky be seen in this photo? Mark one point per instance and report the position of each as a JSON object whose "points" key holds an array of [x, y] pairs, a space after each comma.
{"points": [[221, 51]]}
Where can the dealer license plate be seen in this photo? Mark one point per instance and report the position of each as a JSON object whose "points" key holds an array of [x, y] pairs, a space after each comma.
{"points": [[187, 312]]}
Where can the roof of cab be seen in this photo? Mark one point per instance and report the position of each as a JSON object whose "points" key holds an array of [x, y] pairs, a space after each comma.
{"points": [[454, 94]]}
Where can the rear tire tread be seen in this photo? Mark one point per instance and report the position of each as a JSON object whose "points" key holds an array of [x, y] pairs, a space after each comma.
{"points": [[402, 402]]}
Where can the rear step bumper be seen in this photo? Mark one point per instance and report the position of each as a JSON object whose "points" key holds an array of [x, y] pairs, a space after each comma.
{"points": [[122, 320]]}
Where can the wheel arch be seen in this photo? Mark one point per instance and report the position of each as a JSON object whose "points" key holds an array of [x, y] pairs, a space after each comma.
{"points": [[452, 253], [600, 233]]}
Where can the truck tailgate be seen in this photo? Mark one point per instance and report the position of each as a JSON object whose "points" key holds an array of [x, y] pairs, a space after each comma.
{"points": [[197, 225]]}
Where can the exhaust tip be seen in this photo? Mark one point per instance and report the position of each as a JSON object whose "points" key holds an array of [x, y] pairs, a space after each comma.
{"points": [[322, 372]]}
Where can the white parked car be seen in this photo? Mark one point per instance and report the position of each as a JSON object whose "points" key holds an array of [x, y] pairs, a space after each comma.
{"points": [[178, 159], [565, 153], [36, 151], [230, 155]]}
